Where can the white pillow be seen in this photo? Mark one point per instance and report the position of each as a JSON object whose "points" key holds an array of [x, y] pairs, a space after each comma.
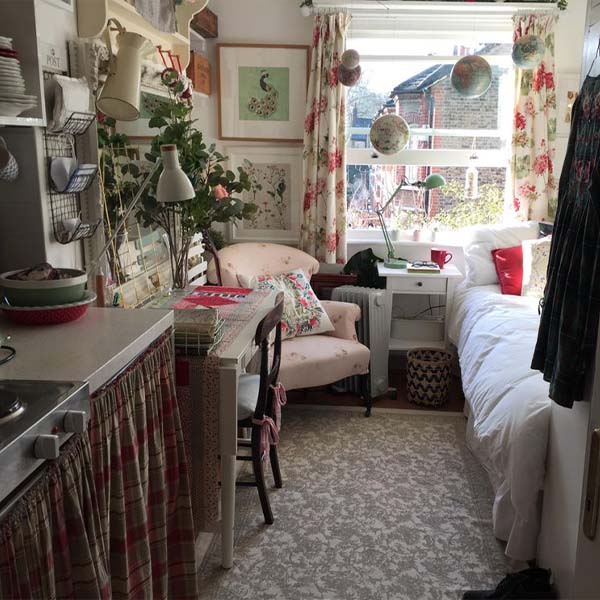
{"points": [[535, 265], [303, 314], [482, 239]]}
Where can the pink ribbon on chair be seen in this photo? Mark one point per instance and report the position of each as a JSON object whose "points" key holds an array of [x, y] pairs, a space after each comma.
{"points": [[279, 400], [269, 434]]}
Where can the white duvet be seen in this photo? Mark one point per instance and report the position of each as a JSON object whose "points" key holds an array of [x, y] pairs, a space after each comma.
{"points": [[509, 406]]}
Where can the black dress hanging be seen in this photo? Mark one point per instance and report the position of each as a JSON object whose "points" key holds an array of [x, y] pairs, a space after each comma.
{"points": [[568, 330]]}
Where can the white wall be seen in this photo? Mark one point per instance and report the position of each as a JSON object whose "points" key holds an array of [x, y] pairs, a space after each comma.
{"points": [[250, 21], [569, 37]]}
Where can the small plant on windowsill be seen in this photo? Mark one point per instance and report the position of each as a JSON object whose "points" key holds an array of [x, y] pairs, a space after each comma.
{"points": [[215, 186]]}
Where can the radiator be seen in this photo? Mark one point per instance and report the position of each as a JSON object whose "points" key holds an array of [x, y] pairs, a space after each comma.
{"points": [[372, 331]]}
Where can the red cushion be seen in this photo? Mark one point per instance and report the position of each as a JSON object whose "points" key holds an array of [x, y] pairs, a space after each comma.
{"points": [[509, 266]]}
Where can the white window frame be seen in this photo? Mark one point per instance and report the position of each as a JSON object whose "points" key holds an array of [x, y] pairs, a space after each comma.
{"points": [[434, 157]]}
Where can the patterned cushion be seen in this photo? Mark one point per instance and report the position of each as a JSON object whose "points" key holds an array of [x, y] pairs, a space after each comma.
{"points": [[320, 360], [535, 264], [302, 311]]}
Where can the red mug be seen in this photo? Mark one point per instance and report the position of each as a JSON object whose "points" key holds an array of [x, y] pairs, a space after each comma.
{"points": [[440, 257]]}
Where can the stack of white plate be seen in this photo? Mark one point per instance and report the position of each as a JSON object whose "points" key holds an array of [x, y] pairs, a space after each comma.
{"points": [[13, 99]]}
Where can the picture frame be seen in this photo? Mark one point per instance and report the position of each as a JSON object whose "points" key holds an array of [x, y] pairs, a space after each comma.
{"points": [[262, 91], [279, 215]]}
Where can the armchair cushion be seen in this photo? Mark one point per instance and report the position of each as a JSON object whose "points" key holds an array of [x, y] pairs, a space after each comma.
{"points": [[320, 360], [343, 316], [253, 259], [302, 310]]}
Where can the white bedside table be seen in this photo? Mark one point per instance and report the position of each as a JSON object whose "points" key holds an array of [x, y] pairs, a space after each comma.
{"points": [[406, 334]]}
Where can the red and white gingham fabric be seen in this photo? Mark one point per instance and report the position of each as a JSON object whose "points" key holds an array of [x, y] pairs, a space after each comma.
{"points": [[142, 481]]}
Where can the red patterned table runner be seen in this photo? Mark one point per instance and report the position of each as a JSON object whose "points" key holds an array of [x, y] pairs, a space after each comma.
{"points": [[198, 394]]}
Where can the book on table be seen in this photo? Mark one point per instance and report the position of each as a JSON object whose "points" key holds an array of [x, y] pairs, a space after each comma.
{"points": [[424, 266]]}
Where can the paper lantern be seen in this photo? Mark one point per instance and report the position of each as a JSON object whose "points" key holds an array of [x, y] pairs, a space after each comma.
{"points": [[350, 59], [389, 134], [528, 51], [471, 76], [349, 77]]}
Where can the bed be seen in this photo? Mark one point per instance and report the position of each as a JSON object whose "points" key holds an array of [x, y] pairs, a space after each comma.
{"points": [[507, 404]]}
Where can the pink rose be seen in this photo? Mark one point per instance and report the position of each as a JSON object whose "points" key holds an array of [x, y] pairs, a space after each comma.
{"points": [[220, 192]]}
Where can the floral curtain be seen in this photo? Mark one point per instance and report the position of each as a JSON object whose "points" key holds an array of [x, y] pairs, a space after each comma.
{"points": [[534, 131], [142, 483], [50, 544], [324, 216]]}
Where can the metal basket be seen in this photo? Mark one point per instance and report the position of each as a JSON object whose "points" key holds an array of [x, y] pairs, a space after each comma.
{"points": [[428, 376]]}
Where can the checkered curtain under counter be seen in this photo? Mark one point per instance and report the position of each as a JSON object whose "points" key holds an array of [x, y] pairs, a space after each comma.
{"points": [[142, 481], [50, 544]]}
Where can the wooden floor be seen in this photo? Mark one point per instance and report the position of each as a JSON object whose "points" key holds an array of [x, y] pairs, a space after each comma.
{"points": [[324, 396]]}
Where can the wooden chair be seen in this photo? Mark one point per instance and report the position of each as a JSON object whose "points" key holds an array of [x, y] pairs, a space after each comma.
{"points": [[259, 408]]}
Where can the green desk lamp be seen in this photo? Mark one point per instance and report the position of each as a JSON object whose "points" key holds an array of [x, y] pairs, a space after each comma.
{"points": [[432, 182]]}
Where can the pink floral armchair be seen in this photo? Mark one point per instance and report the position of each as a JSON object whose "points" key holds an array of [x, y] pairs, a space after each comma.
{"points": [[306, 361]]}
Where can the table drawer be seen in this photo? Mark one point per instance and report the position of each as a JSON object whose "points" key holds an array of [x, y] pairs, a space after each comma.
{"points": [[418, 285]]}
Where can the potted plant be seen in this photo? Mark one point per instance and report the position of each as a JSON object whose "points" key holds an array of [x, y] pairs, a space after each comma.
{"points": [[215, 186]]}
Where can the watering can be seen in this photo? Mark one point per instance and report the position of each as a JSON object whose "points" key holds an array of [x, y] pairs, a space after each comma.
{"points": [[120, 96]]}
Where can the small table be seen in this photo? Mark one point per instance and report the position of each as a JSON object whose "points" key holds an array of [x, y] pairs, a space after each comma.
{"points": [[406, 334], [233, 354]]}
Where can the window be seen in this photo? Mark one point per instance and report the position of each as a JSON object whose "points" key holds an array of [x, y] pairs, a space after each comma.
{"points": [[449, 133]]}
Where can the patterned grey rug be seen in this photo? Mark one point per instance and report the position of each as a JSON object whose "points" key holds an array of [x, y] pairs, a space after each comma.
{"points": [[391, 507]]}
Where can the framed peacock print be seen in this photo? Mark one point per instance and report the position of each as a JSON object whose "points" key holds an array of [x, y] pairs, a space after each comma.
{"points": [[276, 189], [262, 92]]}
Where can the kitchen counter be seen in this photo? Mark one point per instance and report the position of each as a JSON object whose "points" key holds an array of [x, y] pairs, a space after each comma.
{"points": [[93, 349]]}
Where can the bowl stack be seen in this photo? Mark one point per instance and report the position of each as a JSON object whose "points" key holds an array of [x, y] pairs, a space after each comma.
{"points": [[13, 99], [45, 301]]}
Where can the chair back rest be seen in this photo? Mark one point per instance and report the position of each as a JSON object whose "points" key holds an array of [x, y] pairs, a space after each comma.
{"points": [[254, 259], [268, 372]]}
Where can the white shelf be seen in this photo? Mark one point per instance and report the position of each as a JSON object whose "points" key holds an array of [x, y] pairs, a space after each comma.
{"points": [[405, 345], [22, 121], [93, 15], [19, 22]]}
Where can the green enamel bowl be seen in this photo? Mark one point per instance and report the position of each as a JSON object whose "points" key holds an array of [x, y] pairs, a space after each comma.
{"points": [[44, 293]]}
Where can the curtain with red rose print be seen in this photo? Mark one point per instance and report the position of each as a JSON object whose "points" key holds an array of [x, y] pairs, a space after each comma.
{"points": [[535, 191], [324, 215]]}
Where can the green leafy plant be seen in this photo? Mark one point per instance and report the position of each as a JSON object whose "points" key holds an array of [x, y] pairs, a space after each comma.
{"points": [[486, 210], [215, 186]]}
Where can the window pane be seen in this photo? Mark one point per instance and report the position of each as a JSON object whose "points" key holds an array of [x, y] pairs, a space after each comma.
{"points": [[420, 91], [450, 207]]}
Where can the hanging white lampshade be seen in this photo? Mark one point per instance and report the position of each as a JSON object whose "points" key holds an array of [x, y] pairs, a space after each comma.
{"points": [[173, 184], [120, 96]]}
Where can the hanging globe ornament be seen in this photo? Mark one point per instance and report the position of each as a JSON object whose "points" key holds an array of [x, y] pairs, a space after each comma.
{"points": [[471, 76], [528, 51], [351, 59], [348, 77], [389, 134]]}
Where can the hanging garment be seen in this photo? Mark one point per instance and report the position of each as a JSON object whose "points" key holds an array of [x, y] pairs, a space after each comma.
{"points": [[568, 330]]}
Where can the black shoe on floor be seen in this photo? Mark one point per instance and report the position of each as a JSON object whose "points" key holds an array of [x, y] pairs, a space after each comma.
{"points": [[530, 584]]}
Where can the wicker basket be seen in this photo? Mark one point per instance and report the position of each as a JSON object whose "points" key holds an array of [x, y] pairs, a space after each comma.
{"points": [[428, 376]]}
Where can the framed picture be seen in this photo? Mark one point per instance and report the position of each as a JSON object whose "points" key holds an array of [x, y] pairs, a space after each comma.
{"points": [[276, 179], [139, 130], [262, 91]]}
